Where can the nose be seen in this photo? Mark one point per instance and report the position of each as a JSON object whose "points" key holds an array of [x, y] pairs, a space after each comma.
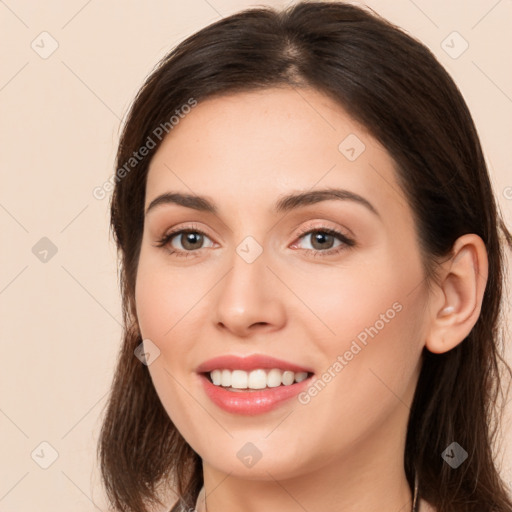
{"points": [[250, 298]]}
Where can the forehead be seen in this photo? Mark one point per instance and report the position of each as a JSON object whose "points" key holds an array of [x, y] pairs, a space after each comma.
{"points": [[255, 146]]}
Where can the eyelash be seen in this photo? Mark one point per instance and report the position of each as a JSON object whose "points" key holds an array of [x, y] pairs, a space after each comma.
{"points": [[346, 242]]}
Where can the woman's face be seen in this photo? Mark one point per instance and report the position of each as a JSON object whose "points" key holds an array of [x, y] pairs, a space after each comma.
{"points": [[266, 275]]}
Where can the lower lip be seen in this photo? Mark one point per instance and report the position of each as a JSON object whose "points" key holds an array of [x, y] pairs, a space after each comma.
{"points": [[252, 402]]}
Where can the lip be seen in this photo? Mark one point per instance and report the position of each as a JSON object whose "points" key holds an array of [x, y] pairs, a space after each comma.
{"points": [[253, 402], [252, 362]]}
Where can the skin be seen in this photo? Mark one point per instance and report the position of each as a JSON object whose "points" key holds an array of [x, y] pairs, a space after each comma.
{"points": [[344, 449]]}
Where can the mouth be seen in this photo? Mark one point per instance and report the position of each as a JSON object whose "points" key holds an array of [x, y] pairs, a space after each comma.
{"points": [[252, 384], [256, 392], [259, 379]]}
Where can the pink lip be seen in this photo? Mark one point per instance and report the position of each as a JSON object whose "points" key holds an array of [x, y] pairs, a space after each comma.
{"points": [[254, 401], [253, 362], [251, 402]]}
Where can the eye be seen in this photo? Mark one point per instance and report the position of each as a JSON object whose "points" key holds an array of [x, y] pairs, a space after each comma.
{"points": [[191, 240], [323, 240]]}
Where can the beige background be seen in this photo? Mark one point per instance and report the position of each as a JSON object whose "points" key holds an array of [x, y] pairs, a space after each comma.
{"points": [[59, 122]]}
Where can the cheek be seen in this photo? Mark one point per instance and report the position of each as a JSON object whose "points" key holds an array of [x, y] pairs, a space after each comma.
{"points": [[167, 317], [161, 297], [159, 310], [369, 374], [374, 313], [370, 297], [152, 304]]}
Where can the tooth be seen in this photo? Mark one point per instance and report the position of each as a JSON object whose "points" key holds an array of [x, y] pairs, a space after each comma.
{"points": [[226, 378], [216, 376], [274, 378], [257, 379], [239, 379], [287, 378], [300, 376]]}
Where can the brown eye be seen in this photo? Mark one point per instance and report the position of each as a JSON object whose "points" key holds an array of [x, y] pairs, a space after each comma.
{"points": [[190, 240], [184, 241], [323, 241]]}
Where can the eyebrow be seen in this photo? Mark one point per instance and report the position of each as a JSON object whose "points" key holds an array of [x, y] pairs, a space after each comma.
{"points": [[284, 204]]}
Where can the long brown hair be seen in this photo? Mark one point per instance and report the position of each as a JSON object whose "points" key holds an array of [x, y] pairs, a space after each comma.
{"points": [[394, 86]]}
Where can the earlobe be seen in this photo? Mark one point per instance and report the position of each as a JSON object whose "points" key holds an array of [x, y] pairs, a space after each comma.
{"points": [[458, 298]]}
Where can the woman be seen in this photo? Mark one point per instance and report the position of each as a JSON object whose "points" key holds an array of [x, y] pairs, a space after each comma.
{"points": [[311, 269]]}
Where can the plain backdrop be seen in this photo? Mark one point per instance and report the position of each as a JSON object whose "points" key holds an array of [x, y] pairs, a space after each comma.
{"points": [[69, 72]]}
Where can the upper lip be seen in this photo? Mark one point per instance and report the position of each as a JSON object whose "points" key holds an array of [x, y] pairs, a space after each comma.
{"points": [[252, 362]]}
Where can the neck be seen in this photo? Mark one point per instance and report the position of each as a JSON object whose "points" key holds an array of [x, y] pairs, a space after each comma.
{"points": [[297, 495]]}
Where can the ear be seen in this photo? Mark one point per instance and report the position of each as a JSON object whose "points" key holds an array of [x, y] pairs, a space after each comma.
{"points": [[457, 300]]}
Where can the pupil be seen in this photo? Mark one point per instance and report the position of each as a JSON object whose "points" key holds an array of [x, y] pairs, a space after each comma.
{"points": [[320, 237], [192, 239]]}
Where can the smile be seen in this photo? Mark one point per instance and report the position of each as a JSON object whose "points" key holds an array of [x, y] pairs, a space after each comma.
{"points": [[256, 379], [252, 384]]}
